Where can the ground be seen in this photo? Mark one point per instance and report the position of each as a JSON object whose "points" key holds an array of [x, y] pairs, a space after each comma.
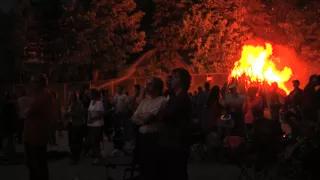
{"points": [[62, 170]]}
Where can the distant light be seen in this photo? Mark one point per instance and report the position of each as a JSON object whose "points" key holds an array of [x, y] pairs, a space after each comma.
{"points": [[284, 136], [209, 78]]}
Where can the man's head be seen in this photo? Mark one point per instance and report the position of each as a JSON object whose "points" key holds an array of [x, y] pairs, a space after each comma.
{"points": [[200, 90], [120, 89], [313, 79], [155, 86], [39, 83], [181, 79], [207, 86], [169, 82], [296, 83]]}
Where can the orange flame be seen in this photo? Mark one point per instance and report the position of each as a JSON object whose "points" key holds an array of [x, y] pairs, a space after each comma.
{"points": [[257, 66]]}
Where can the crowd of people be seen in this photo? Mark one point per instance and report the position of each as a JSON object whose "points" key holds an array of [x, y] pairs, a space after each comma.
{"points": [[159, 120]]}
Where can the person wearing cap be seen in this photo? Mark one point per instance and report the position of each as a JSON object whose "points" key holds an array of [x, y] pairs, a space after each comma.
{"points": [[38, 128]]}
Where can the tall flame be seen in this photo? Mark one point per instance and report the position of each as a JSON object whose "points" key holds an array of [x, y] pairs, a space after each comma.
{"points": [[257, 66]]}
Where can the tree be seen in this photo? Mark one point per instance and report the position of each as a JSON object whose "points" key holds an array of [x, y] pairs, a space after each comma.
{"points": [[293, 24], [106, 33], [214, 32], [40, 26], [198, 34], [309, 50], [164, 37]]}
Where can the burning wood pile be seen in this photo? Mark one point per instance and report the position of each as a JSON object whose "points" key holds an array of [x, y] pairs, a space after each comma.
{"points": [[258, 67]]}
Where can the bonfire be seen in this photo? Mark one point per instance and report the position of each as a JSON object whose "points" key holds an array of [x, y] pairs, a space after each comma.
{"points": [[258, 67]]}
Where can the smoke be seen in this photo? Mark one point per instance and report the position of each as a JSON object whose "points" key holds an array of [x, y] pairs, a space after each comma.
{"points": [[128, 72], [301, 68]]}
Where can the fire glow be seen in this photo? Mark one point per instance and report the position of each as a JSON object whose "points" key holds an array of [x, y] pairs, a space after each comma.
{"points": [[257, 65]]}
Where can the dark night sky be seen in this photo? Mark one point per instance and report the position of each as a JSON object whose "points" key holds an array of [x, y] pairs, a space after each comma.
{"points": [[6, 5]]}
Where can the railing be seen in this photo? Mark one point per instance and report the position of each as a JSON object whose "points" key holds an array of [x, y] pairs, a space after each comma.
{"points": [[62, 89]]}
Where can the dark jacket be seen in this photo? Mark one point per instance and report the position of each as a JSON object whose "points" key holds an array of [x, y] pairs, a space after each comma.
{"points": [[174, 123], [295, 98]]}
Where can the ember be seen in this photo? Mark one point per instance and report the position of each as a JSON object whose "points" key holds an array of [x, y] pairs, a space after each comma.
{"points": [[257, 65]]}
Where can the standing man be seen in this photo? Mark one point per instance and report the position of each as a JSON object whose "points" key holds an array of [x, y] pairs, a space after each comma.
{"points": [[121, 104], [173, 127], [202, 101], [275, 102], [295, 98], [310, 100], [234, 102], [39, 125]]}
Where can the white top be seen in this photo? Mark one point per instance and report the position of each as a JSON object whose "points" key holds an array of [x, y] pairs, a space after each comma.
{"points": [[94, 110], [121, 103], [150, 106], [235, 102]]}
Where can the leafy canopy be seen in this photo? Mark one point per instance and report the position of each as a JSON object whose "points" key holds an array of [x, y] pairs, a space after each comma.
{"points": [[107, 33]]}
